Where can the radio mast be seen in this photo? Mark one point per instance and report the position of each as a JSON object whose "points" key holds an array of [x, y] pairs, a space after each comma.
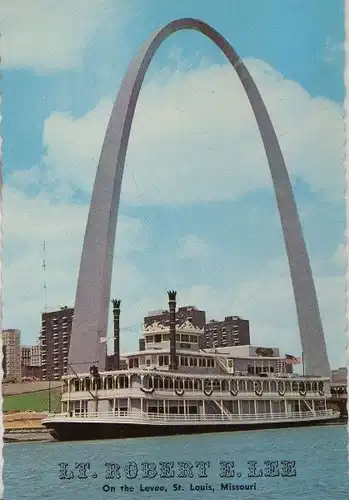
{"points": [[44, 273]]}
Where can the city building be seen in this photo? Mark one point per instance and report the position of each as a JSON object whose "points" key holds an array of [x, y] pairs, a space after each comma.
{"points": [[11, 340], [54, 342], [183, 314], [25, 356], [35, 355], [31, 361], [230, 332]]}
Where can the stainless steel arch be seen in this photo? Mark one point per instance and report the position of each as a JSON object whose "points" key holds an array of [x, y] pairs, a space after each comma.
{"points": [[93, 290]]}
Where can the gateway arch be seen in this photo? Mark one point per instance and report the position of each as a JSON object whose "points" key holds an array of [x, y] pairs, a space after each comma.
{"points": [[94, 281]]}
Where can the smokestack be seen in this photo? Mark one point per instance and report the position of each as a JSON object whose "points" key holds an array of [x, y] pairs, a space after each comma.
{"points": [[116, 315], [172, 310]]}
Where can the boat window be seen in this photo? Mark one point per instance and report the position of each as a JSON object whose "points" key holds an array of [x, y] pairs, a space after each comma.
{"points": [[185, 338], [136, 363], [178, 383], [166, 360], [165, 337], [271, 369], [193, 338], [130, 362], [157, 338], [178, 337], [225, 385], [197, 385], [273, 386], [314, 386], [250, 369], [216, 386], [191, 361], [161, 360], [187, 384], [76, 385], [149, 338], [265, 386]]}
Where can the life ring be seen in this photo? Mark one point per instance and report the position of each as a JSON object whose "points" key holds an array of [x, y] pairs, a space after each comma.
{"points": [[281, 389], [258, 392], [148, 390], [179, 392], [321, 389]]}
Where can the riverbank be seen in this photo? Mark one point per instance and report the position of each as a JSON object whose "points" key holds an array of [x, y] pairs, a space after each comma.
{"points": [[25, 426]]}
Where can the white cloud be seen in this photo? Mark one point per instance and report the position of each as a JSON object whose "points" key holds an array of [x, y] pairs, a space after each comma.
{"points": [[267, 301], [51, 35], [26, 223], [193, 247], [195, 132]]}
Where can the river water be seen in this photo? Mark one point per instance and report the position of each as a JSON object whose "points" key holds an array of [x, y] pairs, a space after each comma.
{"points": [[32, 470]]}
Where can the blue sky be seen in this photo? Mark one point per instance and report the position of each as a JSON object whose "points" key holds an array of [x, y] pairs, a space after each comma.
{"points": [[197, 211]]}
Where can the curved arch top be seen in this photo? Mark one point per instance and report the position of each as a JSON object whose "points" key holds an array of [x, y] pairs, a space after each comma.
{"points": [[94, 281]]}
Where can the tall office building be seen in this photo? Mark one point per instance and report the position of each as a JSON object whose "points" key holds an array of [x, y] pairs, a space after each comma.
{"points": [[232, 331], [54, 342], [11, 340], [183, 314]]}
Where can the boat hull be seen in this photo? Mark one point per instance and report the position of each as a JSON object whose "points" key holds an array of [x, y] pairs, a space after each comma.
{"points": [[81, 431]]}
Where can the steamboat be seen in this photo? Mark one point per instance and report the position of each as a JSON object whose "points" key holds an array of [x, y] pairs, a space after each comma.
{"points": [[173, 386]]}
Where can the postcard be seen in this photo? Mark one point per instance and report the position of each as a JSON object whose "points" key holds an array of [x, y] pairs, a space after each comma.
{"points": [[173, 221]]}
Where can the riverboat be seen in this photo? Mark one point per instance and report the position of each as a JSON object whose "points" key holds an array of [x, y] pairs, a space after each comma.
{"points": [[172, 386]]}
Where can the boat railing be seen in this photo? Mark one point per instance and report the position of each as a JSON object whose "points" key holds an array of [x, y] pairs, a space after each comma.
{"points": [[142, 416]]}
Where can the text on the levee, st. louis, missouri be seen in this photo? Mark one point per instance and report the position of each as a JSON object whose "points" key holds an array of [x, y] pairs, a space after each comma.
{"points": [[234, 474]]}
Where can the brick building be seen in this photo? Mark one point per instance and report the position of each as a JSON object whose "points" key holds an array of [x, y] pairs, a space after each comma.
{"points": [[54, 342], [233, 330]]}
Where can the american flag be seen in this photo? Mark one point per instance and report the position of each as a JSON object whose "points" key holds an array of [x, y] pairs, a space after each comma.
{"points": [[292, 360]]}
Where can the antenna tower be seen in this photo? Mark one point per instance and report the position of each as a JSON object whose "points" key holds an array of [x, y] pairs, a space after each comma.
{"points": [[44, 273]]}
